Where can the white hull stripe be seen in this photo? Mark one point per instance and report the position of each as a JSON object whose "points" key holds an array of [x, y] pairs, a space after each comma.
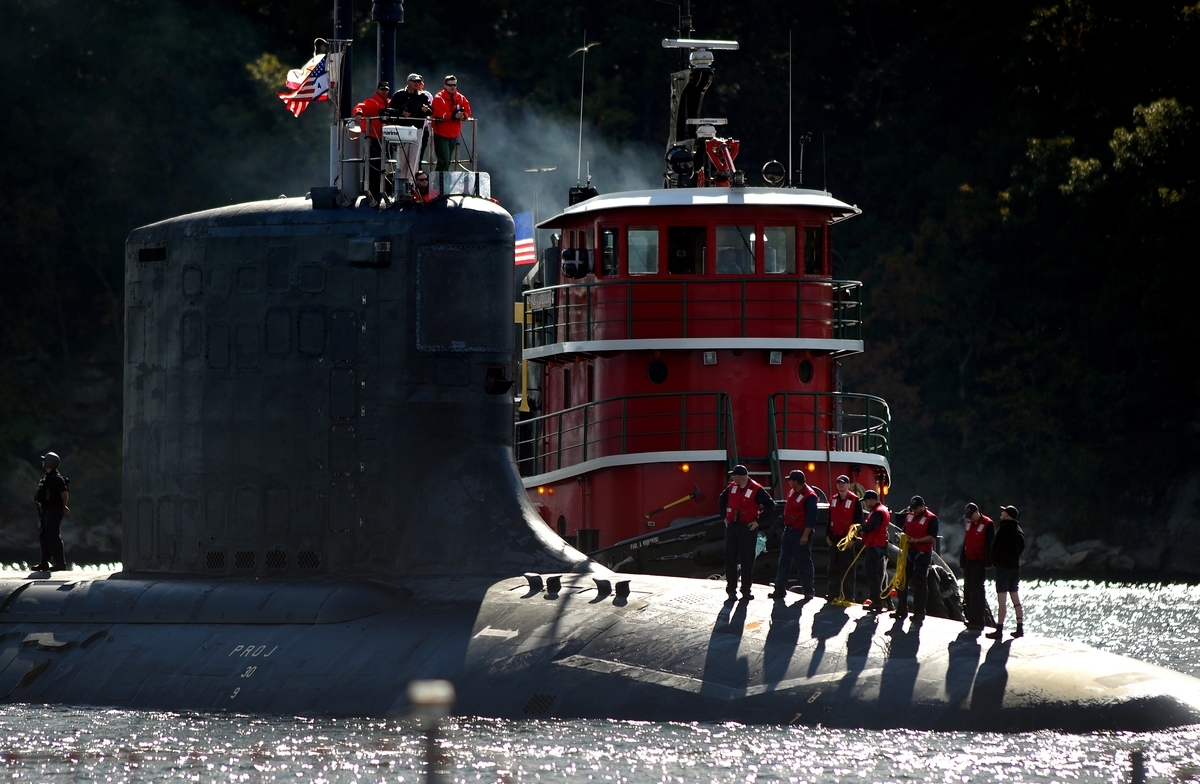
{"points": [[693, 344]]}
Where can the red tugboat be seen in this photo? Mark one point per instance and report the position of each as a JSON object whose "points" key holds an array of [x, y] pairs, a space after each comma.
{"points": [[671, 334]]}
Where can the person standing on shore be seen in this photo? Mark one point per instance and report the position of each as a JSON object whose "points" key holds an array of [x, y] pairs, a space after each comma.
{"points": [[1006, 555], [51, 499], [976, 557]]}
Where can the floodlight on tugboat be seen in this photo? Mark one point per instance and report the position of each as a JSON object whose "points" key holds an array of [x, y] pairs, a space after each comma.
{"points": [[774, 173]]}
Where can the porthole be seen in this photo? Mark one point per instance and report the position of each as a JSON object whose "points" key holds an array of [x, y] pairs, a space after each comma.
{"points": [[657, 371], [804, 371]]}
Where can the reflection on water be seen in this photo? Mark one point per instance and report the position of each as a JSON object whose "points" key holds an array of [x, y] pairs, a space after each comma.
{"points": [[1156, 623]]}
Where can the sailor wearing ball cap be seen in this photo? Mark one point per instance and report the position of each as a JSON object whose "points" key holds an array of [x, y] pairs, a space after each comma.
{"points": [[875, 541], [744, 504], [921, 528], [1006, 555], [799, 519], [844, 512]]}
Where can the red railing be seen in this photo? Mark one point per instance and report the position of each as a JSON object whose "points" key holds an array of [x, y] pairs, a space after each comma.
{"points": [[736, 308]]}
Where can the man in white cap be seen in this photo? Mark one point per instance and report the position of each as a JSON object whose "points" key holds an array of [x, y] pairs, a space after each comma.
{"points": [[51, 499]]}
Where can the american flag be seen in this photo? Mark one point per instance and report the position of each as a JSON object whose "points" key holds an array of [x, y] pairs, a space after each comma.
{"points": [[305, 85], [526, 253]]}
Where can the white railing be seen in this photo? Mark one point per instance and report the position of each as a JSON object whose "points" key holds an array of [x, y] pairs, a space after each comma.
{"points": [[385, 169]]}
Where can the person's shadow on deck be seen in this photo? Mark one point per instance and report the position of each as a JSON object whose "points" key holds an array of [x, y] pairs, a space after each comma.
{"points": [[722, 662]]}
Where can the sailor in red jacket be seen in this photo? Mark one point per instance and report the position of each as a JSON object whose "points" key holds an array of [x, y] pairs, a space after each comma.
{"points": [[367, 113], [450, 108], [976, 558], [745, 504], [875, 541], [844, 511], [921, 528], [799, 519]]}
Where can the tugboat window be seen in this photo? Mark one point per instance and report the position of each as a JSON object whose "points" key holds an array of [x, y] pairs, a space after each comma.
{"points": [[735, 250], [805, 372], [657, 371], [608, 251], [643, 250], [814, 250], [779, 250], [686, 250]]}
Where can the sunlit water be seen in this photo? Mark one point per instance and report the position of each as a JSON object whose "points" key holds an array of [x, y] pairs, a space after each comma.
{"points": [[1153, 622]]}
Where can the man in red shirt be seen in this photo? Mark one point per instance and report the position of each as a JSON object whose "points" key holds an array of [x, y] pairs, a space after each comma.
{"points": [[367, 113], [844, 511], [975, 558], [450, 108]]}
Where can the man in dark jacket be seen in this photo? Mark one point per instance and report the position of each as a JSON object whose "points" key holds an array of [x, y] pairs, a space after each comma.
{"points": [[412, 106], [976, 558], [1006, 555], [51, 499]]}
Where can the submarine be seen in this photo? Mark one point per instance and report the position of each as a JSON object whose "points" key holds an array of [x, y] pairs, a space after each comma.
{"points": [[321, 504]]}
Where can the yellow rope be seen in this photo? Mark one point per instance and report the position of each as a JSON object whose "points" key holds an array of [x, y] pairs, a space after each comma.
{"points": [[843, 544], [849, 538], [898, 580]]}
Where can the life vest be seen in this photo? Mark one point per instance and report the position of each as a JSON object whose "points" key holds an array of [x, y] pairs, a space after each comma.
{"points": [[740, 504], [878, 537], [793, 507], [916, 527], [841, 514], [975, 545]]}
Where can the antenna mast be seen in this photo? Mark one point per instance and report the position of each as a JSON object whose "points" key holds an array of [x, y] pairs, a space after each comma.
{"points": [[789, 182], [582, 74]]}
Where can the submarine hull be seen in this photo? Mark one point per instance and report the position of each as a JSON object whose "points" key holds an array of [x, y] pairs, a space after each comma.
{"points": [[673, 650]]}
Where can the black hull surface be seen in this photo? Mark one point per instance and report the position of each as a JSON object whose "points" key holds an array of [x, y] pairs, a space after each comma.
{"points": [[672, 651]]}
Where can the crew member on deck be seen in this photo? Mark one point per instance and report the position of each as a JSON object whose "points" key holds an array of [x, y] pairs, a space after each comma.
{"points": [[450, 108], [744, 504], [844, 511], [921, 527], [367, 113], [422, 187], [1006, 554], [51, 499], [412, 106], [976, 559], [874, 542], [799, 519]]}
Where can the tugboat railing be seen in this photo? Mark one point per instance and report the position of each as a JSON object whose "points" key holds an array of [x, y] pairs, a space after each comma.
{"points": [[734, 308], [828, 422], [632, 424]]}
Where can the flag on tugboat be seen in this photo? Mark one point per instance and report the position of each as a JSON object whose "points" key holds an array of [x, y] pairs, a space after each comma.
{"points": [[526, 253], [305, 85]]}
